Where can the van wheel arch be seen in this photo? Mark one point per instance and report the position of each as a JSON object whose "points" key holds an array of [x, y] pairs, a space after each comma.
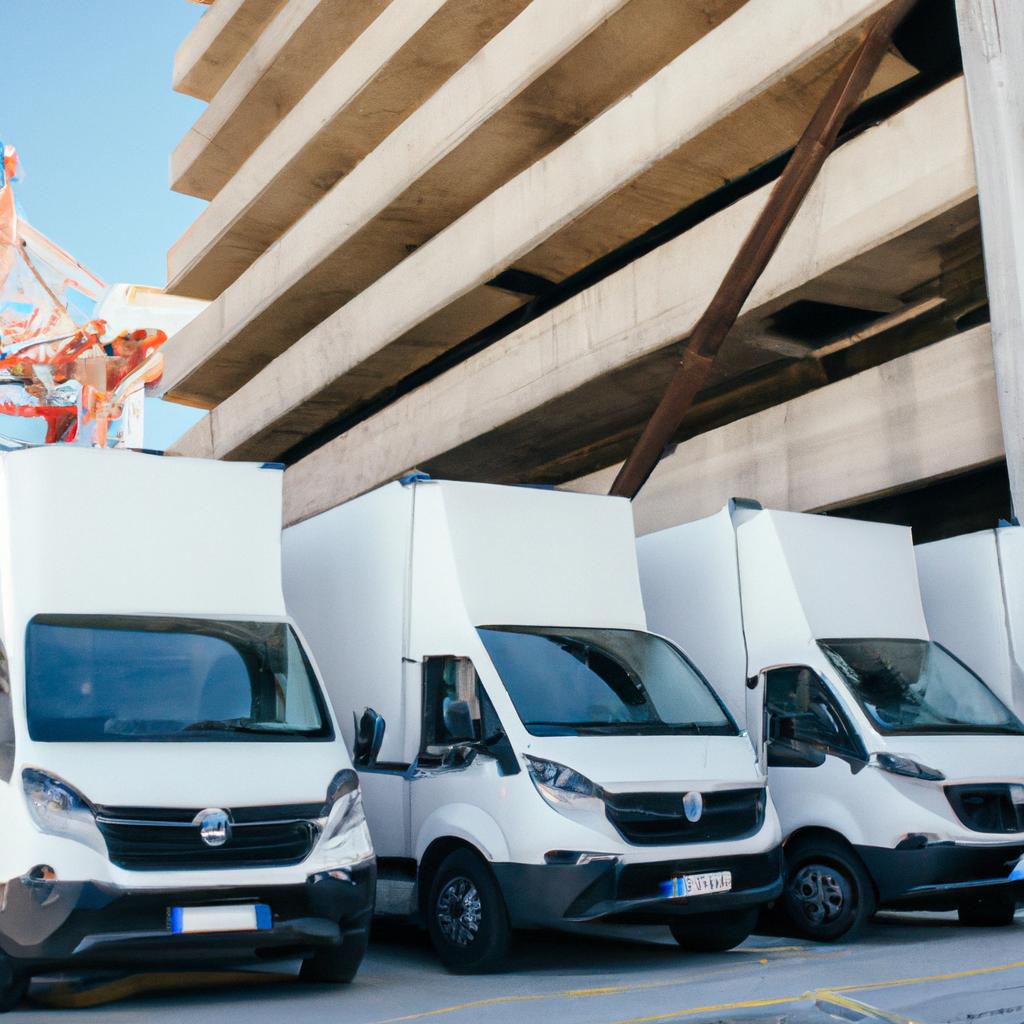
{"points": [[433, 857], [813, 833], [820, 842]]}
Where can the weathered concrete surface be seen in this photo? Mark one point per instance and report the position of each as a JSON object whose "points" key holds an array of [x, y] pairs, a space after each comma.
{"points": [[219, 40], [385, 331], [854, 208], [294, 49], [385, 74], [923, 416], [528, 90], [992, 39]]}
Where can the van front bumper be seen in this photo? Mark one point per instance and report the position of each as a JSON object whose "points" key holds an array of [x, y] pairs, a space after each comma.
{"points": [[545, 895], [940, 875], [51, 924]]}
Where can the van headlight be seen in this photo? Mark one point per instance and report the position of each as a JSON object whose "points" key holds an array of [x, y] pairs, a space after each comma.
{"points": [[344, 832], [58, 809], [900, 764], [565, 789]]}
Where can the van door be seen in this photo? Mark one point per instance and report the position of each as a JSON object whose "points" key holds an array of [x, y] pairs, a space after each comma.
{"points": [[805, 723], [814, 761], [451, 768]]}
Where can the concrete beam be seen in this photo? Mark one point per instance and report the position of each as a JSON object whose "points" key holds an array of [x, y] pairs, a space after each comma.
{"points": [[219, 40], [399, 61], [386, 330], [882, 185], [921, 417], [992, 40], [529, 89], [295, 48]]}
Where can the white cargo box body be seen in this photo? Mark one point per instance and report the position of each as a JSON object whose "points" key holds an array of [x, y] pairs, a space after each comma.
{"points": [[88, 530], [396, 584], [973, 592], [802, 578]]}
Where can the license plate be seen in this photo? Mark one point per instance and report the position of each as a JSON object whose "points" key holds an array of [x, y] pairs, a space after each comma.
{"points": [[698, 885], [190, 920]]}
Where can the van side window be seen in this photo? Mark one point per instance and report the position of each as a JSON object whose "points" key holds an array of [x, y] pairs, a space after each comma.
{"points": [[797, 692], [446, 681], [6, 720]]}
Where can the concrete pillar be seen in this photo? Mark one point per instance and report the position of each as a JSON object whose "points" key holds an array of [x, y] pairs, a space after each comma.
{"points": [[992, 41]]}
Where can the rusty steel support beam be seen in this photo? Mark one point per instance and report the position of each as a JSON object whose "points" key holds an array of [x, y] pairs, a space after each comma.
{"points": [[808, 157]]}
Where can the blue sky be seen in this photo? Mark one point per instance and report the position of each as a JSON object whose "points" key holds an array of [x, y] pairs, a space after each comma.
{"points": [[87, 102]]}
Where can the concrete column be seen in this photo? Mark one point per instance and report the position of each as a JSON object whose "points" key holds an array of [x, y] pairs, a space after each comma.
{"points": [[992, 40]]}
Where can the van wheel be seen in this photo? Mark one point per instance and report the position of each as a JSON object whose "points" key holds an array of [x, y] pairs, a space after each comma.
{"points": [[466, 915], [829, 894], [714, 933], [13, 984], [987, 912], [336, 965]]}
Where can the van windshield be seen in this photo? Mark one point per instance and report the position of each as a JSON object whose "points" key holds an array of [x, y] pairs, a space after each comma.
{"points": [[909, 686], [101, 678], [570, 682]]}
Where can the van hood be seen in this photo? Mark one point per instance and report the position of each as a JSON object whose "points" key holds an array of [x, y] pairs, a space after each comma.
{"points": [[193, 775], [963, 757], [653, 763]]}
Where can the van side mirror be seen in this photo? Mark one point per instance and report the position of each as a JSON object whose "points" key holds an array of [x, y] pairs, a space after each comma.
{"points": [[786, 748], [782, 727], [369, 737], [458, 721]]}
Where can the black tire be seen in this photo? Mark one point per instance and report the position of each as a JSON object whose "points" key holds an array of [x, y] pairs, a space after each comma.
{"points": [[829, 895], [466, 915], [987, 912], [336, 965], [714, 933], [13, 984]]}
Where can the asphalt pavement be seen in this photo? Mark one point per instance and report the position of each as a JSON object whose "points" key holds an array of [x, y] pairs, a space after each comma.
{"points": [[921, 967]]}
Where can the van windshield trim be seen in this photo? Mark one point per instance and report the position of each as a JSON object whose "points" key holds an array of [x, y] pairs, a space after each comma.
{"points": [[256, 683], [884, 719], [607, 666]]}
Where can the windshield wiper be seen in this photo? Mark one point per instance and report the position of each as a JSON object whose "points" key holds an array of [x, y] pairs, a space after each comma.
{"points": [[622, 728], [595, 727], [246, 725]]}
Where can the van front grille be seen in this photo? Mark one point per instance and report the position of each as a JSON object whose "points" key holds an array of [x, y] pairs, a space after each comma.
{"points": [[988, 807], [657, 819], [146, 839]]}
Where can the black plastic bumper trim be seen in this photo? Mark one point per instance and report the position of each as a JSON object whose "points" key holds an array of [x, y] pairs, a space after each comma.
{"points": [[936, 876], [54, 924], [545, 895]]}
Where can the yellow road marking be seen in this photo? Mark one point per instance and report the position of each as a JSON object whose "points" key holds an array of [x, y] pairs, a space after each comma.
{"points": [[70, 996], [587, 993], [949, 976], [832, 994], [864, 1009], [775, 949]]}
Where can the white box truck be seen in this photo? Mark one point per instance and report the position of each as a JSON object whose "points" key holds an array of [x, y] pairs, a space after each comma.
{"points": [[898, 775], [173, 786], [972, 588], [531, 755]]}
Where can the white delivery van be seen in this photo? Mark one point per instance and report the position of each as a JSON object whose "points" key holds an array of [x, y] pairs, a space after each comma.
{"points": [[972, 588], [897, 774], [173, 787], [532, 756]]}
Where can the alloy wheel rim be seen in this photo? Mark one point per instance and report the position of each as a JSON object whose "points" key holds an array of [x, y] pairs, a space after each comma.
{"points": [[459, 911], [818, 892]]}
